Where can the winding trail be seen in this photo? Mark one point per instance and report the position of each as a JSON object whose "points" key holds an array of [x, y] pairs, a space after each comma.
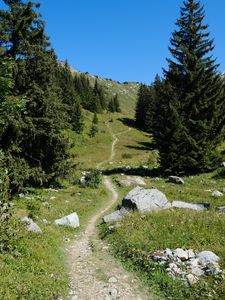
{"points": [[94, 273]]}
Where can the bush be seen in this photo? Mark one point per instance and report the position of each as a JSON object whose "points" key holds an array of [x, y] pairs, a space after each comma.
{"points": [[93, 178]]}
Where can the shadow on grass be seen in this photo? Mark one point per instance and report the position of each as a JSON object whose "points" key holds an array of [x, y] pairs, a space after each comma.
{"points": [[144, 146], [128, 122], [155, 172]]}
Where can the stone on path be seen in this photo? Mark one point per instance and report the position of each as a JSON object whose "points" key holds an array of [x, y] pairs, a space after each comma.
{"points": [[31, 225], [186, 205], [176, 179], [71, 220], [146, 200]]}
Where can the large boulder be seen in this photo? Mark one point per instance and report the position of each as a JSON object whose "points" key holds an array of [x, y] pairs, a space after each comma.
{"points": [[146, 200], [31, 225], [116, 215], [71, 220], [194, 206], [176, 179]]}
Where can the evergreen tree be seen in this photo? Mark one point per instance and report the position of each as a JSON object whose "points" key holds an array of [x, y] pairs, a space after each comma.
{"points": [[111, 106], [116, 103], [94, 127], [95, 119], [38, 148], [190, 101]]}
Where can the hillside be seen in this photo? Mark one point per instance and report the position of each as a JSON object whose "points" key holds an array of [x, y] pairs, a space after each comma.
{"points": [[127, 91]]}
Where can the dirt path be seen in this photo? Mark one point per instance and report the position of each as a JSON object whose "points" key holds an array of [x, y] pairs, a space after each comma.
{"points": [[94, 273]]}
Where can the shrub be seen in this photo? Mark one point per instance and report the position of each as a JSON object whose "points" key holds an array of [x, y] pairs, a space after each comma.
{"points": [[93, 178]]}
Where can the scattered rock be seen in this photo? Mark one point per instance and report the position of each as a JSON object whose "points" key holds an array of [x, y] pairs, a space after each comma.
{"points": [[83, 180], [71, 220], [131, 180], [221, 209], [185, 205], [207, 257], [217, 194], [146, 200], [44, 221], [112, 280], [222, 164], [31, 225], [181, 254], [176, 179], [191, 279], [185, 263], [116, 215], [74, 297], [45, 203], [114, 293]]}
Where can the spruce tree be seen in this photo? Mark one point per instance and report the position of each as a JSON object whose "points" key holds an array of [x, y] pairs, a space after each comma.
{"points": [[39, 147], [190, 114], [116, 103]]}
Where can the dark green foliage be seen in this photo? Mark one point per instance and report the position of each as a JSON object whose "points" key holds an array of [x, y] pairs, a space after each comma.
{"points": [[189, 122], [32, 114], [93, 178], [117, 103], [114, 105], [95, 119], [92, 99], [111, 106]]}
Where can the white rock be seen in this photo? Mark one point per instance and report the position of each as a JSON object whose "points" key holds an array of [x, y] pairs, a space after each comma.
{"points": [[221, 209], [71, 220], [168, 252], [197, 271], [191, 254], [31, 225], [112, 280], [176, 179], [114, 293], [207, 257], [192, 279], [217, 194], [146, 200], [185, 205], [180, 253]]}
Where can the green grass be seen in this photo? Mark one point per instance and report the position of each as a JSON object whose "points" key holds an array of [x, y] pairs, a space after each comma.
{"points": [[37, 269], [172, 229]]}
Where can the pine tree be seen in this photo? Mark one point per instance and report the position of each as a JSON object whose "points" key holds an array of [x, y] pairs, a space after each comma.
{"points": [[190, 113], [116, 103], [111, 106], [95, 119]]}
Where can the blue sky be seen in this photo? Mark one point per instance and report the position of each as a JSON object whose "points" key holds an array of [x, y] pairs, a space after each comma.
{"points": [[126, 40]]}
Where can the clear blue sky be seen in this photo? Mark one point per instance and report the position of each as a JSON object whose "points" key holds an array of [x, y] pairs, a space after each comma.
{"points": [[126, 40]]}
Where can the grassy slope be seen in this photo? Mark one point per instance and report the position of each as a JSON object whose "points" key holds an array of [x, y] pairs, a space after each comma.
{"points": [[36, 271], [127, 91]]}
